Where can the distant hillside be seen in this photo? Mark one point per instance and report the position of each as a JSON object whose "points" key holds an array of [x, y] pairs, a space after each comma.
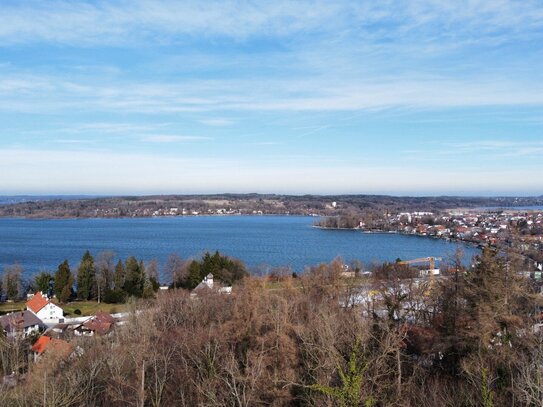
{"points": [[14, 199], [173, 205]]}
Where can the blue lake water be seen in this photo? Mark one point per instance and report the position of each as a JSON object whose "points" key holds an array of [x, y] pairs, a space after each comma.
{"points": [[257, 240]]}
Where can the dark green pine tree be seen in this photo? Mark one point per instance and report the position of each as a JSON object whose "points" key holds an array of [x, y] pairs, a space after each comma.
{"points": [[42, 282], [194, 275], [63, 282], [86, 278], [119, 276], [135, 277]]}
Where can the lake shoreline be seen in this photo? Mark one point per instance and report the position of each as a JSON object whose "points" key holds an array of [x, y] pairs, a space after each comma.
{"points": [[210, 215]]}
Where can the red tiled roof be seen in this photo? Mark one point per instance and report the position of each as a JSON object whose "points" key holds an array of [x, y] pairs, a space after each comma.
{"points": [[101, 323], [100, 327], [104, 317], [41, 344], [47, 343], [36, 303]]}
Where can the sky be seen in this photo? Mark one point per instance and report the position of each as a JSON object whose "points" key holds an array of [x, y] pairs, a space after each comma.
{"points": [[358, 97]]}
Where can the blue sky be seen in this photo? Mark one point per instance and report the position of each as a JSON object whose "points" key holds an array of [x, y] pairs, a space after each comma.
{"points": [[395, 97]]}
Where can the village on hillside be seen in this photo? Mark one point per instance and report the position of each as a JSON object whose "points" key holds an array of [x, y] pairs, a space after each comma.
{"points": [[44, 325]]}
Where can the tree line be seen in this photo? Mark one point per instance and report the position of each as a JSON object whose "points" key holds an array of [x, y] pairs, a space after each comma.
{"points": [[104, 280]]}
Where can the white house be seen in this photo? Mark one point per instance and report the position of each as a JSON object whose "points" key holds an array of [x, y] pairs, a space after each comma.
{"points": [[45, 310], [207, 284]]}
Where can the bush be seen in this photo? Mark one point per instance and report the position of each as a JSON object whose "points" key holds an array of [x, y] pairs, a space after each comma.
{"points": [[77, 311], [114, 296]]}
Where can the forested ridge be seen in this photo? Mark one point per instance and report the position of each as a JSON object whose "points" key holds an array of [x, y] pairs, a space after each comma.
{"points": [[175, 205]]}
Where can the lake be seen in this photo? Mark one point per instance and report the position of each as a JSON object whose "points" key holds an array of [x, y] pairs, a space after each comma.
{"points": [[257, 240]]}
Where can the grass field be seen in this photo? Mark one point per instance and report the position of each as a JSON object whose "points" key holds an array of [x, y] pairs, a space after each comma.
{"points": [[91, 308], [7, 307], [86, 308]]}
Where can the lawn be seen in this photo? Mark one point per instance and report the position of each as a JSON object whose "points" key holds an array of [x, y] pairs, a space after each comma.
{"points": [[86, 308], [6, 307], [91, 308]]}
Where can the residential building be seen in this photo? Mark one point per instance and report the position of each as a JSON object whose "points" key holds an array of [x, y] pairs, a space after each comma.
{"points": [[22, 323], [45, 310]]}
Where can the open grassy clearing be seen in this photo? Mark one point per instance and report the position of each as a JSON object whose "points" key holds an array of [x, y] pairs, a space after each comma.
{"points": [[91, 308], [85, 307], [7, 307]]}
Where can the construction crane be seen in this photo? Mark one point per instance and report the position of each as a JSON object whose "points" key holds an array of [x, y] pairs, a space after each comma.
{"points": [[431, 261]]}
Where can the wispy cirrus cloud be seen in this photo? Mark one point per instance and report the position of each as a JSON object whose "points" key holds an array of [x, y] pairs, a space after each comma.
{"points": [[312, 94], [501, 147], [121, 22], [167, 138], [217, 122], [71, 141], [356, 82]]}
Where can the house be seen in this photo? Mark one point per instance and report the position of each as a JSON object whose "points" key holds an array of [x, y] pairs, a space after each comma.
{"points": [[207, 284], [46, 344], [101, 324], [22, 323], [45, 310], [61, 331]]}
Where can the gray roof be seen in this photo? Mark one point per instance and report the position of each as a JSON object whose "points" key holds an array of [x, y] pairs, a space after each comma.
{"points": [[19, 320], [202, 286]]}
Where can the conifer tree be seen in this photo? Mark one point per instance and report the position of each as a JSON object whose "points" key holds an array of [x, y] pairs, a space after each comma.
{"points": [[194, 277], [42, 281], [86, 278], [63, 282], [134, 279], [119, 276]]}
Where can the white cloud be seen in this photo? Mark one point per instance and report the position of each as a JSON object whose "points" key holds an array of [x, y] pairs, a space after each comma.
{"points": [[312, 94], [501, 148], [167, 138]]}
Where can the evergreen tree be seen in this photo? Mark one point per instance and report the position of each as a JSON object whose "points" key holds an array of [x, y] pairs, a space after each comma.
{"points": [[134, 279], [42, 282], [119, 276], [86, 278], [195, 275], [63, 282], [223, 268]]}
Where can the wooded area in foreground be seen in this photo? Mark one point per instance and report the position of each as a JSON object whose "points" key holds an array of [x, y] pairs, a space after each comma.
{"points": [[471, 339]]}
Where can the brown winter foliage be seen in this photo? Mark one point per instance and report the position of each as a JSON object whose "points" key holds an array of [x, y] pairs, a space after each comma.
{"points": [[464, 340]]}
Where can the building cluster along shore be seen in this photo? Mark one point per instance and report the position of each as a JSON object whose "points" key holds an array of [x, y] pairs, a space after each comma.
{"points": [[520, 231]]}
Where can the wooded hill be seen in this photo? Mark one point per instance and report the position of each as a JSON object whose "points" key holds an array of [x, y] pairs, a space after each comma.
{"points": [[174, 205]]}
